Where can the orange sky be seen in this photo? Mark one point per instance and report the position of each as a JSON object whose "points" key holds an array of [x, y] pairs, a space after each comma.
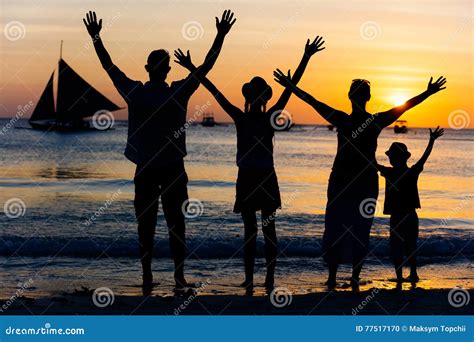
{"points": [[396, 45]]}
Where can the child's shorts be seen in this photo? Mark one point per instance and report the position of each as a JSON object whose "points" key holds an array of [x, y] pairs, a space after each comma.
{"points": [[403, 234]]}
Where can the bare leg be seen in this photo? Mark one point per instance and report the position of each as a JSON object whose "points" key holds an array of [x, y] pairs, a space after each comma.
{"points": [[250, 246], [146, 210], [271, 246], [331, 282], [174, 195], [398, 263]]}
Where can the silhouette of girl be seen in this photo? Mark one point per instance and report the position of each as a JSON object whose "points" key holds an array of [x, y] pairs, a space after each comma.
{"points": [[353, 183], [257, 185]]}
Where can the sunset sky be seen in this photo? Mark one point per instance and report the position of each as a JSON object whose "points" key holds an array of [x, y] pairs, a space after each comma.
{"points": [[397, 45]]}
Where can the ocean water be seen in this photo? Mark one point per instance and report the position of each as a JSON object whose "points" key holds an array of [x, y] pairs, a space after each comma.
{"points": [[68, 218]]}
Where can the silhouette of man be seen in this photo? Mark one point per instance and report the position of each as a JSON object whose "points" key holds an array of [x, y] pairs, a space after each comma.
{"points": [[155, 111]]}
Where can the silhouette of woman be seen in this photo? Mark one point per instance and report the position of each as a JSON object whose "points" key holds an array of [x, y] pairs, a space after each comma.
{"points": [[257, 185], [353, 183]]}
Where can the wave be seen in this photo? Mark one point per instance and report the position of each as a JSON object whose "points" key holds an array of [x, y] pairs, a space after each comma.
{"points": [[215, 248]]}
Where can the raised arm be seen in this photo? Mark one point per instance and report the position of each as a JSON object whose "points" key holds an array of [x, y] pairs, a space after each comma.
{"points": [[433, 136], [387, 118], [185, 61], [309, 50], [93, 28], [380, 168], [333, 116], [223, 27]]}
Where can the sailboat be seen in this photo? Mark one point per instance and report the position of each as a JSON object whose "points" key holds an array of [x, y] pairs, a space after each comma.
{"points": [[76, 100]]}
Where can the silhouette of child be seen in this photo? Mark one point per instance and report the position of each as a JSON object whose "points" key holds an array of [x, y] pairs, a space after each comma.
{"points": [[257, 185], [401, 202]]}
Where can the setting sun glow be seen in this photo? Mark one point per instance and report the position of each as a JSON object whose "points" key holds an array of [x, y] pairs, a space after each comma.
{"points": [[398, 100], [374, 42]]}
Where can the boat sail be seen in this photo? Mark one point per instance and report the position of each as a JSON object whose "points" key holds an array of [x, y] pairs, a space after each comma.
{"points": [[76, 100]]}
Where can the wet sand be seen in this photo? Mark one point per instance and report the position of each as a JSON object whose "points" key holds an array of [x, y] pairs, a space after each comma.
{"points": [[373, 301]]}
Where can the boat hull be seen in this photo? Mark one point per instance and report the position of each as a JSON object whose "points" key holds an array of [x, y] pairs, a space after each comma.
{"points": [[53, 125]]}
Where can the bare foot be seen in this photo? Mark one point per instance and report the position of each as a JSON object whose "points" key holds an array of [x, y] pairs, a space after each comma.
{"points": [[413, 277], [248, 284], [269, 282], [180, 283], [331, 284], [355, 284]]}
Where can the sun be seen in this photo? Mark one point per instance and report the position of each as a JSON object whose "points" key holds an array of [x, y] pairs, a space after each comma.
{"points": [[398, 100]]}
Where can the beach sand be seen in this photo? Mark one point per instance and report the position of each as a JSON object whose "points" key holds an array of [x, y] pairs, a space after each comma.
{"points": [[369, 302]]}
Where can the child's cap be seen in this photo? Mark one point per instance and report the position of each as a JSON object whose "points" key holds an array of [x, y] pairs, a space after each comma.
{"points": [[398, 148]]}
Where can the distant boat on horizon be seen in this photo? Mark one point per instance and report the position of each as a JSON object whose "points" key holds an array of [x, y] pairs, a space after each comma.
{"points": [[76, 100], [400, 127], [208, 120]]}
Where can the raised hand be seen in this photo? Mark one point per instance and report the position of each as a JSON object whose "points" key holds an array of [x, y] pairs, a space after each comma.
{"points": [[284, 80], [433, 88], [436, 133], [184, 60], [316, 46], [226, 22], [92, 26]]}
